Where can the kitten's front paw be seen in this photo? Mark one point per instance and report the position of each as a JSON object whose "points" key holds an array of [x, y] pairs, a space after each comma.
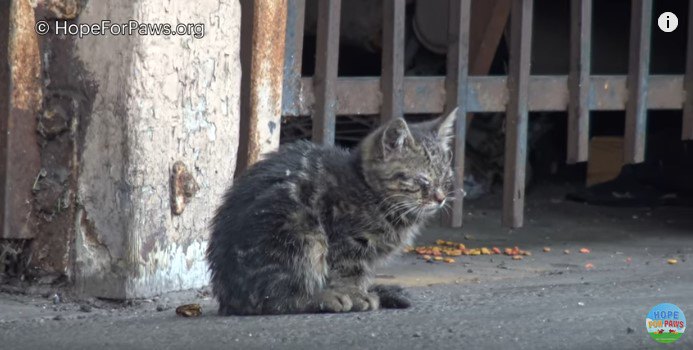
{"points": [[365, 301], [334, 301]]}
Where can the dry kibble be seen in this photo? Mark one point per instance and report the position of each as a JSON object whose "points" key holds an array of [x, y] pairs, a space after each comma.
{"points": [[438, 258], [517, 257], [449, 260], [189, 310], [527, 253], [547, 249], [461, 247], [495, 250], [589, 266], [475, 251], [672, 261], [567, 251], [440, 242], [426, 257], [455, 252], [485, 251], [584, 251]]}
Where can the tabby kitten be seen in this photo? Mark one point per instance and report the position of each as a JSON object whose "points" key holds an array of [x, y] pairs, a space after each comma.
{"points": [[302, 230]]}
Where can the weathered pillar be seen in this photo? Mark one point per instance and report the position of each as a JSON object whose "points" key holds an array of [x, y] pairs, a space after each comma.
{"points": [[163, 124]]}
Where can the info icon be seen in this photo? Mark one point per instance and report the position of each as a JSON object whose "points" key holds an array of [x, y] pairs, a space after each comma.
{"points": [[667, 22]]}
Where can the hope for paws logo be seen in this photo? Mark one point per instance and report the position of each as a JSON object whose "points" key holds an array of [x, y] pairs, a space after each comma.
{"points": [[665, 323]]}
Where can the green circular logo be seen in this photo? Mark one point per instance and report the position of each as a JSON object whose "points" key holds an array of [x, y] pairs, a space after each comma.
{"points": [[665, 323]]}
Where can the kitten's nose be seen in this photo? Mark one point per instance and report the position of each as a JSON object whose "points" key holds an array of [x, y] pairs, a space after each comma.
{"points": [[439, 196]]}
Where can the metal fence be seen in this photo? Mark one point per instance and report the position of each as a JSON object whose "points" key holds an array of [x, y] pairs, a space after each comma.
{"points": [[325, 95]]}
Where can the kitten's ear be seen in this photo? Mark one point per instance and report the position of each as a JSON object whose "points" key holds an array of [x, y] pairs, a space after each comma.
{"points": [[396, 136], [445, 125]]}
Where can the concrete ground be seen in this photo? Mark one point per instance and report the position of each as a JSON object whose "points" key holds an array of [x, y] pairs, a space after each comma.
{"points": [[545, 301]]}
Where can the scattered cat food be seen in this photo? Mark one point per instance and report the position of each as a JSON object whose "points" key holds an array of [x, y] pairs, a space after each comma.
{"points": [[584, 251], [449, 260], [672, 261], [189, 310], [567, 251], [517, 257], [547, 249], [442, 250], [589, 266]]}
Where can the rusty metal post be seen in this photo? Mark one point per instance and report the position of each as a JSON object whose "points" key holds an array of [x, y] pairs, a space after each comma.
{"points": [[266, 78], [20, 101]]}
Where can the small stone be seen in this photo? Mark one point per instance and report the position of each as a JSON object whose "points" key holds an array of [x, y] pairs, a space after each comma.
{"points": [[630, 330], [581, 303], [58, 318], [416, 335], [470, 271], [160, 308], [56, 298], [85, 308]]}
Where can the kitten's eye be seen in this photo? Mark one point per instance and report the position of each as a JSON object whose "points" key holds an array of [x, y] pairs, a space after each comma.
{"points": [[424, 182], [401, 176]]}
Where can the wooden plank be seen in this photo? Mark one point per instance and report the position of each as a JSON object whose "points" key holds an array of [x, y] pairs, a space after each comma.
{"points": [[456, 97], [326, 63], [392, 80], [687, 128], [517, 113], [638, 71], [293, 54], [360, 95], [487, 25], [578, 79]]}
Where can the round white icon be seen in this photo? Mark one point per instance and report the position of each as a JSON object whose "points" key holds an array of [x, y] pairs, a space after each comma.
{"points": [[667, 22]]}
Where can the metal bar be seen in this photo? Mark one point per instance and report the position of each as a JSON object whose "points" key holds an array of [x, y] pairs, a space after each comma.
{"points": [[326, 64], [360, 95], [293, 55], [456, 96], [687, 128], [266, 77], [580, 54], [517, 113], [20, 64], [393, 59], [638, 70]]}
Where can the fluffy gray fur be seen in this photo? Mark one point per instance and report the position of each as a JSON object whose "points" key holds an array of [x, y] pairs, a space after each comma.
{"points": [[302, 230]]}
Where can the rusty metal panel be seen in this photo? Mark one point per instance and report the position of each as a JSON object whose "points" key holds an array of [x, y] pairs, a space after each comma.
{"points": [[293, 55], [392, 79], [266, 77], [361, 95], [516, 119], [456, 91], [18, 142], [579, 78], [638, 71], [326, 64], [687, 128]]}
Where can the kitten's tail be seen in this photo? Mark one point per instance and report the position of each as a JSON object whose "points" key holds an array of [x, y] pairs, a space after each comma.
{"points": [[391, 296]]}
